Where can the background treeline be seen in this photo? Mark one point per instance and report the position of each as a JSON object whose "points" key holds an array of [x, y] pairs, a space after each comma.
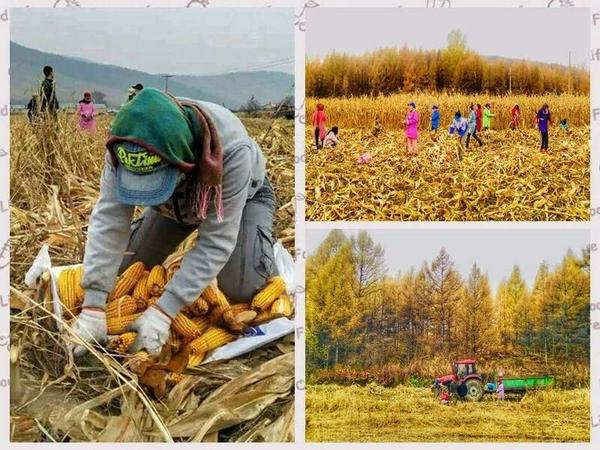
{"points": [[360, 320], [455, 68]]}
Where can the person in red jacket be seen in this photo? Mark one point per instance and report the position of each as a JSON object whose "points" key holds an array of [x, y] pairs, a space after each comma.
{"points": [[318, 121], [479, 113], [515, 115]]}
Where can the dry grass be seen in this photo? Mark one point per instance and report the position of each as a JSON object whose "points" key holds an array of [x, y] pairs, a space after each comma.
{"points": [[54, 184], [506, 179], [376, 414]]}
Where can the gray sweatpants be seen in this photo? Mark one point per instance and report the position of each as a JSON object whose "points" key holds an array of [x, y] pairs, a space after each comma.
{"points": [[154, 237]]}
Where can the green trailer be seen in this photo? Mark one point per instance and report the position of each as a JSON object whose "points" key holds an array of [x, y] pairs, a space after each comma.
{"points": [[522, 385]]}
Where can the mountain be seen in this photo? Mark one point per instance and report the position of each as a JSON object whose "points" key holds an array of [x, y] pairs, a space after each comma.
{"points": [[75, 75]]}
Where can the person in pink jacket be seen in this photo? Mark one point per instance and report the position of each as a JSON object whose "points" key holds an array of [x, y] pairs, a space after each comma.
{"points": [[412, 128], [86, 110], [318, 121]]}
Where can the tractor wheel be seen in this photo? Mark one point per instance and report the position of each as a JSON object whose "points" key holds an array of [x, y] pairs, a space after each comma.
{"points": [[474, 390]]}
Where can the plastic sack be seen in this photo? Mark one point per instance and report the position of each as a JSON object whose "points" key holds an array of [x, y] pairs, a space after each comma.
{"points": [[41, 264], [255, 337], [285, 265]]}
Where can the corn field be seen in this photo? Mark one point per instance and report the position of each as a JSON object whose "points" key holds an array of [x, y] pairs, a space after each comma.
{"points": [[505, 179]]}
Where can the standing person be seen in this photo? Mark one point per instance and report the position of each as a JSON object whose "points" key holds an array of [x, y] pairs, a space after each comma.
{"points": [[543, 120], [318, 121], [459, 126], [487, 117], [435, 118], [192, 166], [33, 108], [412, 128], [49, 101], [479, 112], [331, 138], [515, 117], [472, 127], [500, 389], [87, 113]]}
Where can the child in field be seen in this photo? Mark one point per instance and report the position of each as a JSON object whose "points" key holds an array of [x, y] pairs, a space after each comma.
{"points": [[331, 139], [378, 127], [479, 112], [318, 121], [472, 128], [564, 125], [543, 121], [500, 389], [412, 128], [435, 118], [444, 396], [459, 126], [515, 115], [487, 117]]}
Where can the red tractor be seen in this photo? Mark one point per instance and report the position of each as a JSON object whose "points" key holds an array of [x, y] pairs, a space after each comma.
{"points": [[463, 372]]}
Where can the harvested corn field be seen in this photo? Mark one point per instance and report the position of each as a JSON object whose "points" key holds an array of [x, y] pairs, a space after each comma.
{"points": [[507, 179], [109, 395], [410, 414]]}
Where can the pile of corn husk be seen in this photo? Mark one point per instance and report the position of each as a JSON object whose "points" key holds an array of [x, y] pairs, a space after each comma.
{"points": [[507, 179], [54, 184]]}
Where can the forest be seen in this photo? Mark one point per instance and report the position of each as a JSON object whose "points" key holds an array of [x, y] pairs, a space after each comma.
{"points": [[359, 317], [453, 69]]}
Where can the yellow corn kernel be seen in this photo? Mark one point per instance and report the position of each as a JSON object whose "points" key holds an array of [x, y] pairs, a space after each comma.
{"points": [[195, 360], [122, 343], [128, 280], [211, 339], [185, 327], [118, 325], [156, 281], [79, 291], [141, 288], [203, 323], [271, 292], [123, 306], [283, 306]]}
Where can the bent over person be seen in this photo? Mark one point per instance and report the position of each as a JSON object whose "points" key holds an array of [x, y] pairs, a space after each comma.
{"points": [[192, 165]]}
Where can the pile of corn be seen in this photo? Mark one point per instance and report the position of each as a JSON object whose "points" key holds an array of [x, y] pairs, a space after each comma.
{"points": [[208, 323]]}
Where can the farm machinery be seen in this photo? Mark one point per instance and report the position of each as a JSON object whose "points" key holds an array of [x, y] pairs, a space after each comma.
{"points": [[465, 377]]}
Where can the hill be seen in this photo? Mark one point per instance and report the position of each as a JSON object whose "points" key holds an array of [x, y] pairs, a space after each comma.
{"points": [[75, 75]]}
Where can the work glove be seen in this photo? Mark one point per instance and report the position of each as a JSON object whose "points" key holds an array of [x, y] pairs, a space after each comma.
{"points": [[90, 326], [152, 329]]}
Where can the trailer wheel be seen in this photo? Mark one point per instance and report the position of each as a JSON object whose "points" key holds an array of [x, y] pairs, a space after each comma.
{"points": [[474, 390]]}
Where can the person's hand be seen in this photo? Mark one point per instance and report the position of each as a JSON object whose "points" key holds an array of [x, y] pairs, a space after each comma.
{"points": [[90, 326], [152, 329]]}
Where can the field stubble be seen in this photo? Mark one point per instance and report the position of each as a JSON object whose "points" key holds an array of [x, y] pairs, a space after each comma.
{"points": [[408, 414]]}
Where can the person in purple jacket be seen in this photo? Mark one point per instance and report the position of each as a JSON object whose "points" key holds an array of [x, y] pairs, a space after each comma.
{"points": [[543, 120], [412, 128]]}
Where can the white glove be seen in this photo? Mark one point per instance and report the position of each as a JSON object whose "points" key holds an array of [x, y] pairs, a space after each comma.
{"points": [[152, 331], [90, 326]]}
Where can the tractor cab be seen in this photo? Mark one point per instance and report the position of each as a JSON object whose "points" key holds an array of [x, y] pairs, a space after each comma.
{"points": [[464, 368], [463, 372]]}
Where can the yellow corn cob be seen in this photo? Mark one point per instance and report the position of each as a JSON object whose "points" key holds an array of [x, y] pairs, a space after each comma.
{"points": [[214, 297], [211, 339], [185, 327], [152, 301], [263, 317], [141, 288], [123, 306], [67, 292], [122, 343], [241, 307], [79, 292], [128, 280], [271, 292], [202, 323], [199, 307], [156, 281], [174, 342], [196, 360], [118, 325], [283, 306]]}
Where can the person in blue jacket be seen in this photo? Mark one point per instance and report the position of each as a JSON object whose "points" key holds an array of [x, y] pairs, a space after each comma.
{"points": [[435, 118]]}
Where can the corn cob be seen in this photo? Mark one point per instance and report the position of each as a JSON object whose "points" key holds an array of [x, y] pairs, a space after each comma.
{"points": [[202, 323], [141, 288], [263, 317], [174, 342], [265, 298], [156, 281], [184, 326], [79, 291], [152, 301], [196, 360], [128, 280], [122, 343], [67, 292], [283, 306], [123, 306], [199, 307], [241, 307], [211, 339], [214, 297], [118, 325]]}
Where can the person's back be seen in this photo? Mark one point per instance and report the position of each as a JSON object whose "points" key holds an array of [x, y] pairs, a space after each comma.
{"points": [[49, 100]]}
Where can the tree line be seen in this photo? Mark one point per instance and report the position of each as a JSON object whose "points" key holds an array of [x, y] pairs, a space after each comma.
{"points": [[359, 316], [454, 68]]}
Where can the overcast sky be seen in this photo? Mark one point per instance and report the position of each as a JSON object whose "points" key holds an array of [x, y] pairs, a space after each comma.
{"points": [[195, 41], [496, 251], [540, 34]]}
